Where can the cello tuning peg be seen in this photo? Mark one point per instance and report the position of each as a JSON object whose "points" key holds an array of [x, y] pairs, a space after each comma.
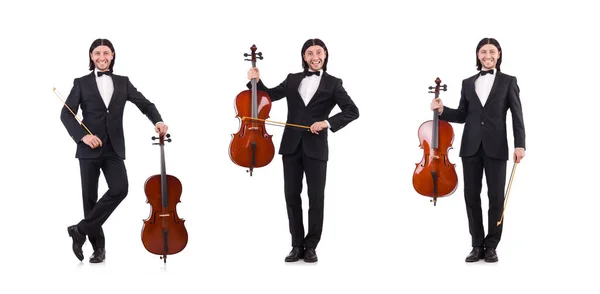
{"points": [[246, 54], [168, 140], [154, 138], [168, 135]]}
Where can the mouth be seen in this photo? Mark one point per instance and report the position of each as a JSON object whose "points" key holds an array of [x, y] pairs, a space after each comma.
{"points": [[315, 62]]}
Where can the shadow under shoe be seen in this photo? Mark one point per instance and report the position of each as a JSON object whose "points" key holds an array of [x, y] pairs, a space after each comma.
{"points": [[476, 254], [78, 241], [310, 255], [490, 255], [296, 254], [98, 256]]}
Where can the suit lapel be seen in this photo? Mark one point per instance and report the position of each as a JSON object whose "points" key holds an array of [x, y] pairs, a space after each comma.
{"points": [[472, 89], [322, 84], [92, 82], [296, 85], [497, 82], [116, 83]]}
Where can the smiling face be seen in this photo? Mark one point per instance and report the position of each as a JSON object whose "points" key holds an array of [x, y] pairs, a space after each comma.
{"points": [[315, 57], [488, 55], [102, 56]]}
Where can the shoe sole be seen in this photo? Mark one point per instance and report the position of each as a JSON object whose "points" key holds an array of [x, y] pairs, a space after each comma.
{"points": [[293, 260]]}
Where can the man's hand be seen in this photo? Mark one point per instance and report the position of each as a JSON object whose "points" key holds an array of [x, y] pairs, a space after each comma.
{"points": [[318, 126], [92, 141], [437, 104], [519, 154], [161, 129]]}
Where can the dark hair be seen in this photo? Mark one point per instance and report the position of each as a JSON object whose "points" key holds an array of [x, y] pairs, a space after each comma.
{"points": [[102, 42], [486, 41], [314, 42]]}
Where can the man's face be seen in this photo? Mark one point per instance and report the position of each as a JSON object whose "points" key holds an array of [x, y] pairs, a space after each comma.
{"points": [[488, 56], [315, 56], [102, 56]]}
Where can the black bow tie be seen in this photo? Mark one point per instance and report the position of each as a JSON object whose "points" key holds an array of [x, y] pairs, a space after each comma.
{"points": [[100, 73], [310, 73], [484, 72]]}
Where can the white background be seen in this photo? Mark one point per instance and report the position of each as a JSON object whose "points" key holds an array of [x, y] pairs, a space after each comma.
{"points": [[379, 235]]}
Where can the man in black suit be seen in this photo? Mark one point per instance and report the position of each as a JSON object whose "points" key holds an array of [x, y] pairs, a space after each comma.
{"points": [[311, 95], [484, 102], [102, 96]]}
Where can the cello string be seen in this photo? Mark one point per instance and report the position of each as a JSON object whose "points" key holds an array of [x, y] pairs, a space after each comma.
{"points": [[65, 104]]}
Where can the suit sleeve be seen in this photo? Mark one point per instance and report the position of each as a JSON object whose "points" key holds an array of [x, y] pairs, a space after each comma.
{"points": [[514, 103], [146, 107], [458, 115], [74, 128], [275, 93], [349, 111]]}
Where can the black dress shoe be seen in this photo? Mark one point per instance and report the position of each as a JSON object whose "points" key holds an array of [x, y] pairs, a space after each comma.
{"points": [[310, 255], [490, 255], [98, 256], [294, 255], [476, 254], [78, 240]]}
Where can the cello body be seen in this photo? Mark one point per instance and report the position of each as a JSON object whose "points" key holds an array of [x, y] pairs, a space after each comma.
{"points": [[435, 176], [163, 233], [252, 147]]}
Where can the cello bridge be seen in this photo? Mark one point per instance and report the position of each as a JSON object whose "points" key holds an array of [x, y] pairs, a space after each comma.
{"points": [[253, 128], [164, 215]]}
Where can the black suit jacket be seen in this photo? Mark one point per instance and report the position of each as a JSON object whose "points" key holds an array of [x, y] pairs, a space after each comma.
{"points": [[487, 123], [329, 93], [102, 121]]}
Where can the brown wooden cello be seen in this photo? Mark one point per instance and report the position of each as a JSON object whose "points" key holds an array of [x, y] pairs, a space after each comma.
{"points": [[252, 146], [435, 175], [163, 233]]}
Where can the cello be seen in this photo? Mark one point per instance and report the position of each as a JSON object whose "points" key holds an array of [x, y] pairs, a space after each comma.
{"points": [[252, 147], [163, 233], [435, 175]]}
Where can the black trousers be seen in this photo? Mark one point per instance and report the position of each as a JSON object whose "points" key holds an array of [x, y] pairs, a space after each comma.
{"points": [[294, 168], [495, 174], [95, 211]]}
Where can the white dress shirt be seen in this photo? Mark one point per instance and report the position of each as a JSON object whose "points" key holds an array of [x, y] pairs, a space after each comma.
{"points": [[483, 86], [105, 87], [308, 88]]}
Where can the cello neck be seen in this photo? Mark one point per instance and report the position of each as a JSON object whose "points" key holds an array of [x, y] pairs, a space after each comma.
{"points": [[435, 132], [163, 175], [254, 91], [254, 103]]}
